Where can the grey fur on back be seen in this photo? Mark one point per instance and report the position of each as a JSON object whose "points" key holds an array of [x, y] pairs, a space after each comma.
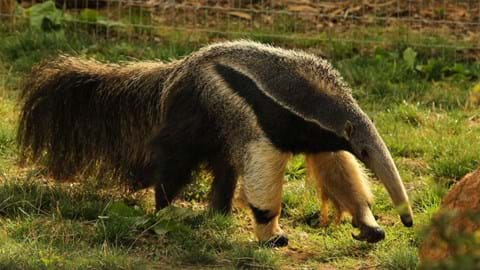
{"points": [[273, 70]]}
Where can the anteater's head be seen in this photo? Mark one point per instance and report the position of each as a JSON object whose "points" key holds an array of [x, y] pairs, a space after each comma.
{"points": [[368, 146]]}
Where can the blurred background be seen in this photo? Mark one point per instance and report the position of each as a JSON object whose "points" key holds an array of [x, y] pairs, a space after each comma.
{"points": [[435, 26]]}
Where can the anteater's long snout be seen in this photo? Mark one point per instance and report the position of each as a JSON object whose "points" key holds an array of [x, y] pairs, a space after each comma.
{"points": [[383, 167]]}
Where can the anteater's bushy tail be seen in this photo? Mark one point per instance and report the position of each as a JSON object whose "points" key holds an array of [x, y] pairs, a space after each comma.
{"points": [[81, 115]]}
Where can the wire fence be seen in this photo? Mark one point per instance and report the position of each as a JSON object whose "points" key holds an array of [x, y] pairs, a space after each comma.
{"points": [[442, 24]]}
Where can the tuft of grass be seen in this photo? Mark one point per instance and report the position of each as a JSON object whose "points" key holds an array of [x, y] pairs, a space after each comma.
{"points": [[120, 224], [32, 256], [400, 258], [22, 49], [194, 237], [409, 114], [29, 197], [299, 203], [199, 190], [63, 234], [427, 198], [253, 258], [29, 244], [295, 168], [7, 133]]}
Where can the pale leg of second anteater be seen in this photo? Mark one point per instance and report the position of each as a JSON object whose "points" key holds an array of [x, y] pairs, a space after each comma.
{"points": [[324, 219], [316, 177], [262, 185], [341, 179]]}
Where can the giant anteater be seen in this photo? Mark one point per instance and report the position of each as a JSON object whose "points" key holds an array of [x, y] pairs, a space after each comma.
{"points": [[241, 107]]}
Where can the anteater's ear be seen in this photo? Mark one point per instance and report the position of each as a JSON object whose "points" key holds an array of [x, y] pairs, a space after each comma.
{"points": [[348, 130]]}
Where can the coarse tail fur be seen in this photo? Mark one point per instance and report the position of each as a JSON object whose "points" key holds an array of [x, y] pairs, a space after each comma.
{"points": [[84, 116], [241, 107]]}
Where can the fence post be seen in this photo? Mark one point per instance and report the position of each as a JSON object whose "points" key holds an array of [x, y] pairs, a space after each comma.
{"points": [[7, 12]]}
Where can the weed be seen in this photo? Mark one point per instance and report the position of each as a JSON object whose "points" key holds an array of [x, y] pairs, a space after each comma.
{"points": [[252, 258], [295, 168], [400, 258]]}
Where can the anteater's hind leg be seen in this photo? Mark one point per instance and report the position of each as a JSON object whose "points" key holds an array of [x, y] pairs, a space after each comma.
{"points": [[223, 186], [170, 170], [262, 183]]}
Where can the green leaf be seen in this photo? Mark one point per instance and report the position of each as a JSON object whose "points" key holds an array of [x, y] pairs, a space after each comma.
{"points": [[176, 213], [459, 69], [409, 56], [168, 226], [89, 15], [123, 210], [45, 16], [432, 69]]}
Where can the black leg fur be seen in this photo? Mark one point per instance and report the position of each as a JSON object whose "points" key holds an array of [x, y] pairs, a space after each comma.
{"points": [[223, 186], [261, 216], [137, 177], [170, 171]]}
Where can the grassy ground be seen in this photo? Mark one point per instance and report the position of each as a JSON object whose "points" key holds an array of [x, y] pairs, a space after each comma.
{"points": [[419, 102]]}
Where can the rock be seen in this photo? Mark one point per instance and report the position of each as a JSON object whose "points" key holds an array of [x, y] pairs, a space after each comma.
{"points": [[454, 225]]}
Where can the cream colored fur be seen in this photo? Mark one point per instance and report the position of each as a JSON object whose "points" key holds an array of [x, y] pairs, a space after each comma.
{"points": [[262, 184]]}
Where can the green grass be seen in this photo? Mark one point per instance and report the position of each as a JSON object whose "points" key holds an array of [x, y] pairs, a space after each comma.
{"points": [[37, 252], [422, 117]]}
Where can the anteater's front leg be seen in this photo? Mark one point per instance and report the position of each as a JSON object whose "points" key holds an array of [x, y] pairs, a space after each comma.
{"points": [[170, 171], [262, 182], [223, 185]]}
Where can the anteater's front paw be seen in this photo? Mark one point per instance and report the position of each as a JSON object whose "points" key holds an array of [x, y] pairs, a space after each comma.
{"points": [[280, 240]]}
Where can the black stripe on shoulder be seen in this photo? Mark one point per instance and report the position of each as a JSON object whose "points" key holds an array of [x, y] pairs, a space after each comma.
{"points": [[286, 130]]}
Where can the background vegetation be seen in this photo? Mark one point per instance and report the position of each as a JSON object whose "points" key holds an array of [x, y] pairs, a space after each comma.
{"points": [[423, 100]]}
